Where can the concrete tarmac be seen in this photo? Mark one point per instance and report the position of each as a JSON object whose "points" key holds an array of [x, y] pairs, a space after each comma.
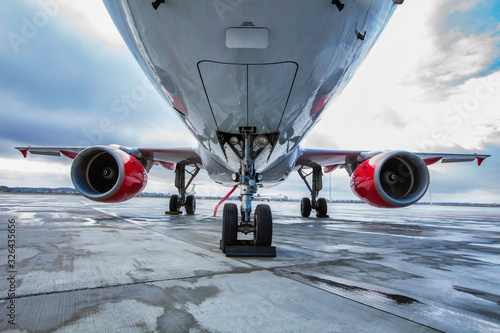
{"points": [[82, 266]]}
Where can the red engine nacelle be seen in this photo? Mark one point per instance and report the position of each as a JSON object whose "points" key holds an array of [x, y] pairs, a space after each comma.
{"points": [[392, 179], [107, 174]]}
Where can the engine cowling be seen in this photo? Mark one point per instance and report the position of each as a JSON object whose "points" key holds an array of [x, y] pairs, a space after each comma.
{"points": [[391, 179], [108, 174]]}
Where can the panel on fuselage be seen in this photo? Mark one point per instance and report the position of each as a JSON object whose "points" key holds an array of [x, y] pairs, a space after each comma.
{"points": [[253, 95]]}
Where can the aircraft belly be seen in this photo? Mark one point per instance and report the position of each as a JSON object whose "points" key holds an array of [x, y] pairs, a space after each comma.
{"points": [[279, 85]]}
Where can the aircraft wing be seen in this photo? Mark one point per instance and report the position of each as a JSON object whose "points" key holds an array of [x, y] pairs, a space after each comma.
{"points": [[331, 159], [318, 157], [167, 157], [70, 152]]}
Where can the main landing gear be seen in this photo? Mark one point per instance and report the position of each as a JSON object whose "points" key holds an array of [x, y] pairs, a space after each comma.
{"points": [[260, 223], [178, 201], [318, 204]]}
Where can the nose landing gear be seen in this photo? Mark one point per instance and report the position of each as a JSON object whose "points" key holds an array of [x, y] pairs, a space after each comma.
{"points": [[232, 222]]}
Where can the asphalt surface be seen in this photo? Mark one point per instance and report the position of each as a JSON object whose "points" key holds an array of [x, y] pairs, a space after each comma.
{"points": [[81, 266]]}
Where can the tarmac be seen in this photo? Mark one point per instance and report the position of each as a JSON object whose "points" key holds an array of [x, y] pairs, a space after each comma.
{"points": [[81, 266]]}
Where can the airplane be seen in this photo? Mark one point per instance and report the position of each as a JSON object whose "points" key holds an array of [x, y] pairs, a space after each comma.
{"points": [[250, 79], [272, 197]]}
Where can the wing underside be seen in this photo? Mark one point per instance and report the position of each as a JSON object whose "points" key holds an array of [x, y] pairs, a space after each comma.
{"points": [[166, 157], [332, 159]]}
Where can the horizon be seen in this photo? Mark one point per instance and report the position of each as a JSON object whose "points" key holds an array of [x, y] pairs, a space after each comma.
{"points": [[217, 197]]}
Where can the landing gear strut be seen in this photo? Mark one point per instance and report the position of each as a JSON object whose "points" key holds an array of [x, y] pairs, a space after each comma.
{"points": [[248, 145], [180, 200], [318, 204]]}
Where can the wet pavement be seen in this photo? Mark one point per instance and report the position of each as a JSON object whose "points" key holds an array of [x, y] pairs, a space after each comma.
{"points": [[82, 266]]}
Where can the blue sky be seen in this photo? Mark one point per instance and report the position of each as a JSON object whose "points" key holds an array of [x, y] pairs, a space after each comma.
{"points": [[431, 83]]}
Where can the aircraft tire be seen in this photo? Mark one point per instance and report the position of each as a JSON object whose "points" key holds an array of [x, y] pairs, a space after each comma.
{"points": [[263, 218], [229, 226], [190, 204], [322, 207], [174, 203], [305, 207]]}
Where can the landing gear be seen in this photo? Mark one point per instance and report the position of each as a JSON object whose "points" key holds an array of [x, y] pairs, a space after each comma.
{"points": [[322, 207], [190, 204], [263, 218], [305, 207], [318, 204], [262, 230], [179, 201], [174, 203], [248, 145], [229, 226]]}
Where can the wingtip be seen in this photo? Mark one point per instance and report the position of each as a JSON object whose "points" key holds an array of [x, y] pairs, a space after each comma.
{"points": [[23, 151], [480, 159]]}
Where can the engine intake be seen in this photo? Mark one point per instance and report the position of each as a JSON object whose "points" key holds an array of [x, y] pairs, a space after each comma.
{"points": [[107, 174], [391, 179]]}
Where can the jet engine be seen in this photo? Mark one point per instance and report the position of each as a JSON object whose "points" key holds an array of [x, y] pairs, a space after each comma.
{"points": [[108, 174], [391, 179]]}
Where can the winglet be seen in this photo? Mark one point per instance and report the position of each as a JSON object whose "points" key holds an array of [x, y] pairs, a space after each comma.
{"points": [[24, 152], [480, 159]]}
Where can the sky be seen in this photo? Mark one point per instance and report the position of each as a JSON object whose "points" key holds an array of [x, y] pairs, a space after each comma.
{"points": [[430, 84]]}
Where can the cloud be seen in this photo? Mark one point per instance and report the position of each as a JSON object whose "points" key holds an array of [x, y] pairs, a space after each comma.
{"points": [[72, 82], [36, 172], [463, 5], [320, 140], [469, 118], [464, 45], [459, 57], [91, 18], [456, 181], [66, 87], [24, 21], [388, 117]]}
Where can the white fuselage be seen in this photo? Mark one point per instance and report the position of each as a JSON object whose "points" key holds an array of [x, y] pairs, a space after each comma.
{"points": [[272, 65]]}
